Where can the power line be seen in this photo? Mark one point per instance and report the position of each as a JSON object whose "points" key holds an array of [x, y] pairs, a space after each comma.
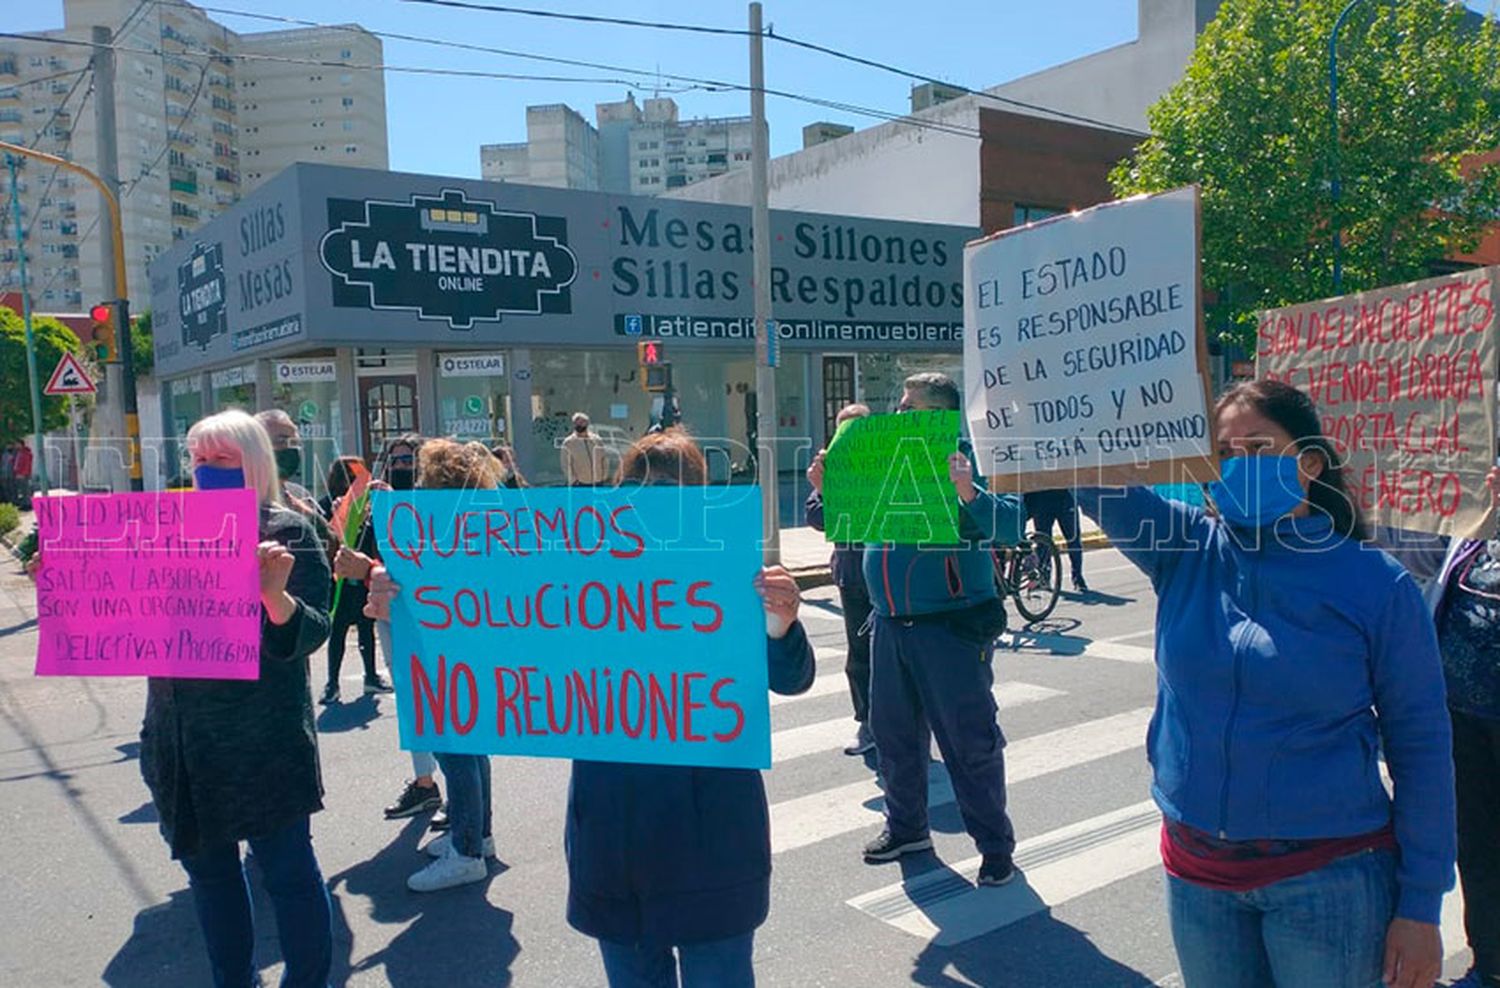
{"points": [[586, 18], [172, 135], [708, 85], [965, 90]]}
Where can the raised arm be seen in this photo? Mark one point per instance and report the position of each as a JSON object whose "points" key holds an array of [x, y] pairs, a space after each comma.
{"points": [[1152, 531]]}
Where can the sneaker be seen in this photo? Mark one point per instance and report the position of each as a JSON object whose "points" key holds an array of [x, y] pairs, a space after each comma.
{"points": [[447, 872], [330, 695], [439, 821], [439, 846], [1079, 585], [863, 741], [377, 685], [414, 799], [888, 847], [996, 869]]}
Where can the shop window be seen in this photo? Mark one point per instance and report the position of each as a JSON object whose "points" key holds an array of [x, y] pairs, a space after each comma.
{"points": [[1025, 213]]}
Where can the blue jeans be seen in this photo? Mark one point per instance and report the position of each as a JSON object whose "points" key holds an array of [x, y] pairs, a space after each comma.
{"points": [[716, 964], [1324, 929], [469, 811], [304, 916]]}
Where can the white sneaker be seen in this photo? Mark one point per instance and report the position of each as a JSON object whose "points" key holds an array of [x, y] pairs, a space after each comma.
{"points": [[449, 871], [438, 846]]}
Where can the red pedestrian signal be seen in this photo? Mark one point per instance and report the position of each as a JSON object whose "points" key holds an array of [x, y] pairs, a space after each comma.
{"points": [[650, 353], [103, 337]]}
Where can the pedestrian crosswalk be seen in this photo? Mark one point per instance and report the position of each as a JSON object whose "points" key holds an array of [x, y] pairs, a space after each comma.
{"points": [[943, 906]]}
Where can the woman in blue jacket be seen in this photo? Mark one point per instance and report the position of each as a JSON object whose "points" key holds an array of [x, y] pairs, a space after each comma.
{"points": [[1289, 655]]}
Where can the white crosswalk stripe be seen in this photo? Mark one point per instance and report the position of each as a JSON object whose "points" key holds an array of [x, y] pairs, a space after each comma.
{"points": [[830, 734], [818, 816]]}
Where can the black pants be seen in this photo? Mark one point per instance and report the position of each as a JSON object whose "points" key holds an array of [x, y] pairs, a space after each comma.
{"points": [[1046, 507], [855, 601], [351, 611], [1476, 764]]}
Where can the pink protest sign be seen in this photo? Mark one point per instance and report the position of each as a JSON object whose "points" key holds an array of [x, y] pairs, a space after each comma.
{"points": [[159, 584]]}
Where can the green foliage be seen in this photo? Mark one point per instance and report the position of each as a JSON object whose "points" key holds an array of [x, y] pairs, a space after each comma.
{"points": [[53, 339], [28, 546], [1419, 98], [142, 350], [10, 518]]}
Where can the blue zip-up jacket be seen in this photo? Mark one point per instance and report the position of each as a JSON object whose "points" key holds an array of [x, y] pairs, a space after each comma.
{"points": [[662, 855], [1279, 662], [910, 580]]}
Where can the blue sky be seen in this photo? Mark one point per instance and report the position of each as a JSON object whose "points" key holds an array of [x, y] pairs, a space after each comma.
{"points": [[437, 123]]}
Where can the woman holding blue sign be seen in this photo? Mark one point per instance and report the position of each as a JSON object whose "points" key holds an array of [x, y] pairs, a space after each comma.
{"points": [[1288, 655], [669, 866], [229, 761]]}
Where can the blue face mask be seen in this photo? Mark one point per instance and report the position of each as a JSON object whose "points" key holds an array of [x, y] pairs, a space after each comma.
{"points": [[212, 478], [1255, 491]]}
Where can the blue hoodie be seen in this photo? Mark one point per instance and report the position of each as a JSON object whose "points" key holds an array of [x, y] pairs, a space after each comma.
{"points": [[1282, 655], [910, 580]]}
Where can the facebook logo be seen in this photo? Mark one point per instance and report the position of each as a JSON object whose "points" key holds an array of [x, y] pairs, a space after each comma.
{"points": [[632, 325]]}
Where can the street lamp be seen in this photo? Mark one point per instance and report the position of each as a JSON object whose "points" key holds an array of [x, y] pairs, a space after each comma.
{"points": [[1334, 185]]}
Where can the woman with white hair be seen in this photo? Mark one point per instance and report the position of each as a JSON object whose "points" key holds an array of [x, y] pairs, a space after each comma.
{"points": [[230, 761]]}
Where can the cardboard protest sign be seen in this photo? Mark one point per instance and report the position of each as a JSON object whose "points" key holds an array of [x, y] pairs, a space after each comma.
{"points": [[158, 584], [885, 479], [1404, 379], [614, 625], [1084, 358]]}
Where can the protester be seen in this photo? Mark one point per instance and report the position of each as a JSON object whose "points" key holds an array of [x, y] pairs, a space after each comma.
{"points": [[1045, 508], [459, 854], [396, 469], [582, 455], [351, 599], [228, 760], [1465, 601], [1288, 654], [854, 599], [510, 474], [286, 443], [935, 622], [21, 469]]}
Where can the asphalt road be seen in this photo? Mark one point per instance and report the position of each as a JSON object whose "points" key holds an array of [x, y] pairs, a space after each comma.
{"points": [[89, 894]]}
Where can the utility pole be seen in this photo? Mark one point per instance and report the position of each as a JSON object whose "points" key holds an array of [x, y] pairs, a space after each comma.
{"points": [[765, 340], [121, 382], [40, 458]]}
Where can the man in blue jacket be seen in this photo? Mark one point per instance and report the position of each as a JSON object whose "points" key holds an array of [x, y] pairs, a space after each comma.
{"points": [[936, 618]]}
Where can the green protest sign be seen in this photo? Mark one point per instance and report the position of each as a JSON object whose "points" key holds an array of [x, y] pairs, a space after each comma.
{"points": [[885, 479]]}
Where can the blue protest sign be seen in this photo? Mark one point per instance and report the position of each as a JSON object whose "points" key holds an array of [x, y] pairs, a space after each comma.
{"points": [[602, 624]]}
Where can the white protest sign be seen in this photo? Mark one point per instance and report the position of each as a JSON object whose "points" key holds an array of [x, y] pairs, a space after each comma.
{"points": [[1083, 354]]}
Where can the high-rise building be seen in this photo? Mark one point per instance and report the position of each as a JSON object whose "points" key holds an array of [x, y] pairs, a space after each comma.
{"points": [[641, 149], [202, 115], [561, 150]]}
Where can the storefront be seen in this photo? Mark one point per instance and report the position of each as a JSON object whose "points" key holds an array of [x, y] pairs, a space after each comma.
{"points": [[370, 304]]}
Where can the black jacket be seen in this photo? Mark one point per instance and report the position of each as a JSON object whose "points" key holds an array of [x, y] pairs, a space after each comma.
{"points": [[229, 760], [665, 854]]}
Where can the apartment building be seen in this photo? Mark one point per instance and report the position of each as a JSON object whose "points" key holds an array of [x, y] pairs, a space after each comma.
{"points": [[202, 115], [639, 149]]}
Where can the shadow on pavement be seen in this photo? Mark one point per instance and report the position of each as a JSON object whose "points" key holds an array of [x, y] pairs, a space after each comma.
{"points": [[1038, 950], [16, 629], [1097, 597], [356, 715], [453, 937]]}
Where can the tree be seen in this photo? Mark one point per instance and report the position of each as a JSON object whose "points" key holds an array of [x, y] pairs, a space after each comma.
{"points": [[53, 339], [1419, 104], [142, 349]]}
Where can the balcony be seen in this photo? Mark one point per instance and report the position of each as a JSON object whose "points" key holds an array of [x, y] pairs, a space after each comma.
{"points": [[9, 67], [222, 152], [227, 175], [183, 180], [10, 94], [184, 211]]}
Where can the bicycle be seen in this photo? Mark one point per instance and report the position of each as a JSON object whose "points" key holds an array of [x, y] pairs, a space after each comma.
{"points": [[1030, 574]]}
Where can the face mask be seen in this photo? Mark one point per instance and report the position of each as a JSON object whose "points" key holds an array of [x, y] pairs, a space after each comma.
{"points": [[400, 478], [580, 429], [1256, 490], [212, 478], [288, 462]]}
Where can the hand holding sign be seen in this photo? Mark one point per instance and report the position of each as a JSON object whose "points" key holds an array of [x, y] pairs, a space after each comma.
{"points": [[961, 473], [778, 589], [275, 561]]}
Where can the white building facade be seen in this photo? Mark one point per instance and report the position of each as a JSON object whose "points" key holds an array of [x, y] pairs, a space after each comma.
{"points": [[202, 115]]}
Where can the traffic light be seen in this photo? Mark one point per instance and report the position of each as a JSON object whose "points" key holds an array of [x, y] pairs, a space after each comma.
{"points": [[103, 333], [656, 372], [649, 353]]}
